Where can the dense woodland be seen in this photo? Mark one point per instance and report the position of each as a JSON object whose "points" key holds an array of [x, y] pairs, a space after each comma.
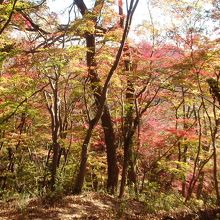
{"points": [[99, 104]]}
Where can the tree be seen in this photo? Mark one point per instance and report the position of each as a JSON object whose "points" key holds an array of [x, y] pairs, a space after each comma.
{"points": [[94, 121], [97, 90]]}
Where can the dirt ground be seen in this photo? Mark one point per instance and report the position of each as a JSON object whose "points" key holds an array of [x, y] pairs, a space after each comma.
{"points": [[92, 206], [87, 206]]}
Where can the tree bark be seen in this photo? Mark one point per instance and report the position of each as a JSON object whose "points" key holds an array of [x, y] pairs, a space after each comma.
{"points": [[107, 125], [106, 116], [215, 91], [82, 169], [53, 109], [128, 166]]}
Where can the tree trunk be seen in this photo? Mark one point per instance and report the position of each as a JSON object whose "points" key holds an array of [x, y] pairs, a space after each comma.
{"points": [[54, 165], [200, 185], [128, 166], [215, 167], [111, 150], [90, 41], [125, 168], [105, 118], [53, 107], [215, 91], [82, 169]]}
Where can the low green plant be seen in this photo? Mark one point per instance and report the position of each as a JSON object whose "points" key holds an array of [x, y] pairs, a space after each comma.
{"points": [[157, 200]]}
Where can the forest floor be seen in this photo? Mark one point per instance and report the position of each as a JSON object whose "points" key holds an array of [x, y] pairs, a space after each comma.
{"points": [[90, 206]]}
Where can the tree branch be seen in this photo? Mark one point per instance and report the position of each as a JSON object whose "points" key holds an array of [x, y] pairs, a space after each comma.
{"points": [[3, 120], [9, 18]]}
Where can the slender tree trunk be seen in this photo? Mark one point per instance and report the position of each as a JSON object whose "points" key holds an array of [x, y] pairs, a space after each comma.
{"points": [[185, 147], [53, 107], [128, 135], [196, 171], [200, 185], [124, 171], [82, 169], [54, 165], [215, 166], [55, 135], [215, 91], [130, 126]]}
